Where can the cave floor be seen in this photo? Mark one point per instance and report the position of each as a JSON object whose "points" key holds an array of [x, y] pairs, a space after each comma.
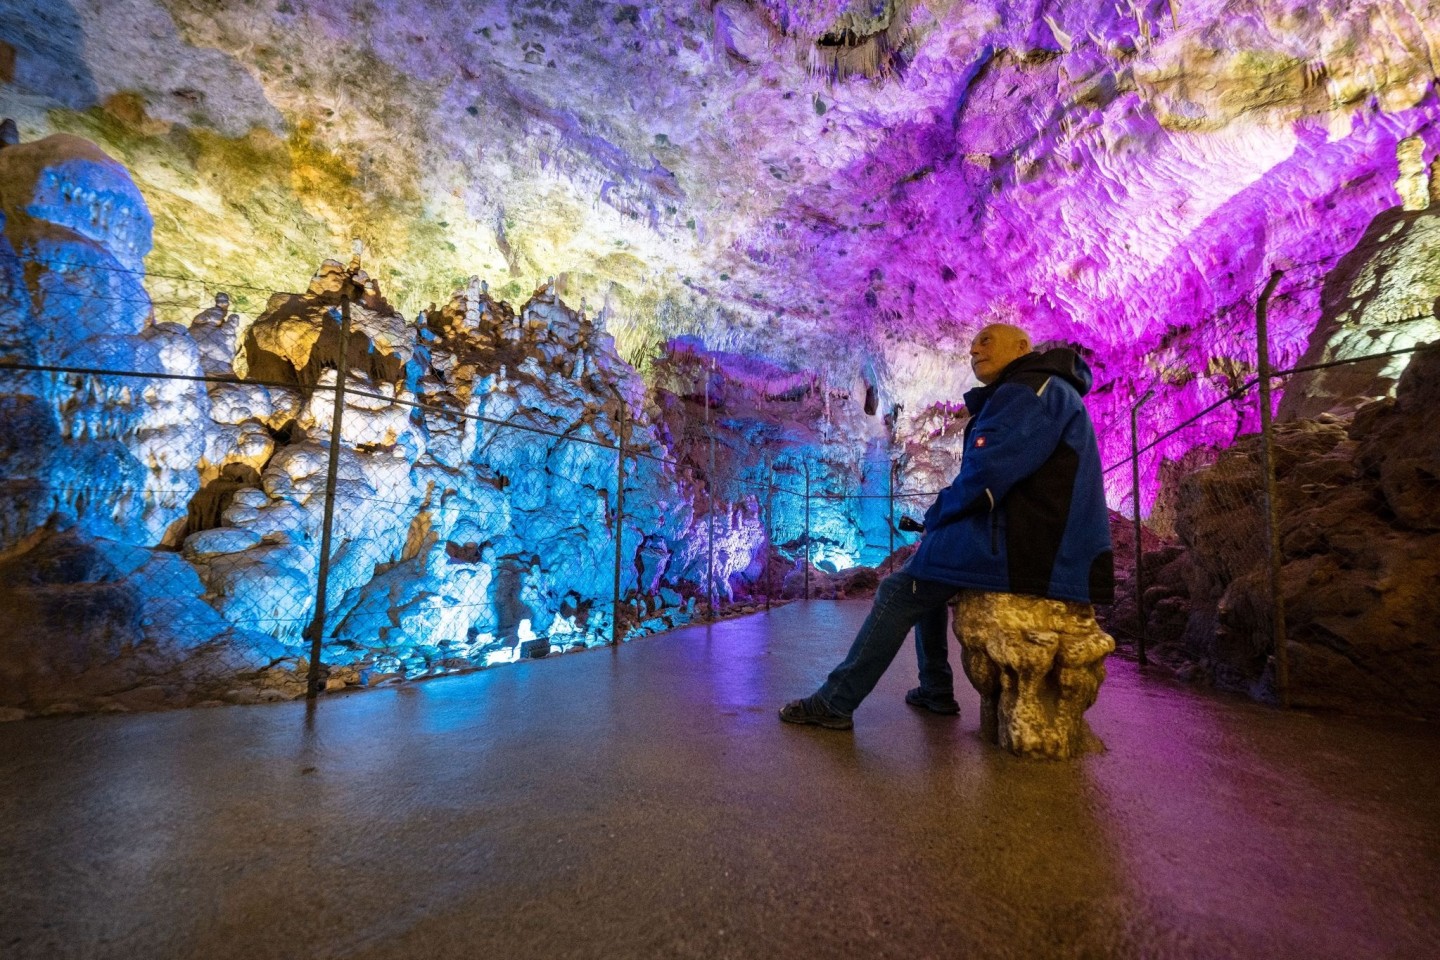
{"points": [[646, 802]]}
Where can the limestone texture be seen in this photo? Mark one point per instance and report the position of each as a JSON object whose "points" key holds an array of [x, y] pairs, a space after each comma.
{"points": [[844, 186], [1380, 297], [1037, 664], [1360, 539], [170, 486], [768, 225], [121, 456]]}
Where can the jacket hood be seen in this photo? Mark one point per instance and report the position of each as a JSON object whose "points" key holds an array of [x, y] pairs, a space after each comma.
{"points": [[1058, 362]]}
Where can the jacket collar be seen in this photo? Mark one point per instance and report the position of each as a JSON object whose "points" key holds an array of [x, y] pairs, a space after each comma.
{"points": [[1059, 362], [975, 398]]}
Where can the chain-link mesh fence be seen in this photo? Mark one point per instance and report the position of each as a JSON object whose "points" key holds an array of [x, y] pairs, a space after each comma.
{"points": [[1199, 500], [500, 545], [126, 459], [360, 513], [306, 514], [1184, 489]]}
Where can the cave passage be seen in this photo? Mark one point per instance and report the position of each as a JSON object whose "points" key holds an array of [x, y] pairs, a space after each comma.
{"points": [[643, 801]]}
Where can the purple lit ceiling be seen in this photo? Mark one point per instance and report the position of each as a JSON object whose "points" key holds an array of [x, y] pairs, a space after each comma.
{"points": [[854, 186]]}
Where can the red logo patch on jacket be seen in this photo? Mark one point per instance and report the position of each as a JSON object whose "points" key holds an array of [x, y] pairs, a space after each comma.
{"points": [[980, 441]]}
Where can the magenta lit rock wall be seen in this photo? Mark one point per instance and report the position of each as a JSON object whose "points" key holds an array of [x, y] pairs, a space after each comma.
{"points": [[824, 200]]}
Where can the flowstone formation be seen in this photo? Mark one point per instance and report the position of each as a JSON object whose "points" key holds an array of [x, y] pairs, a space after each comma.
{"points": [[475, 502], [94, 472], [816, 456], [112, 454], [163, 522], [848, 188], [1037, 664]]}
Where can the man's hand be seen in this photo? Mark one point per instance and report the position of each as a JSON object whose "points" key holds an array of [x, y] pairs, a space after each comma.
{"points": [[911, 525]]}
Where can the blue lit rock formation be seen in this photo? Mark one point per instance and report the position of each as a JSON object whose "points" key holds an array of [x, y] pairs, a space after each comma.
{"points": [[839, 191], [779, 433], [116, 458], [179, 521]]}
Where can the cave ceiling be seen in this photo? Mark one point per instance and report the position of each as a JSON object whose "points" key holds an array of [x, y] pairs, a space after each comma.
{"points": [[851, 186]]}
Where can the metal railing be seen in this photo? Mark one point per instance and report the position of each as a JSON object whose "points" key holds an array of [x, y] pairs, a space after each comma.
{"points": [[297, 516], [310, 522], [1214, 478]]}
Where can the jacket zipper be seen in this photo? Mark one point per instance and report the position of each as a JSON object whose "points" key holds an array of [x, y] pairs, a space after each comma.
{"points": [[994, 526]]}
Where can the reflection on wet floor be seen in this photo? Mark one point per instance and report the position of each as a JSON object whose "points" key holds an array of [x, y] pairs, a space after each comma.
{"points": [[646, 802]]}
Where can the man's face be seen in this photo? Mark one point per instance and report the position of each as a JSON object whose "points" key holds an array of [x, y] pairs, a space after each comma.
{"points": [[994, 348]]}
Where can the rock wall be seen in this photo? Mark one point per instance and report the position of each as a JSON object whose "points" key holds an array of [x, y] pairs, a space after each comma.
{"points": [[1360, 541], [1124, 176], [117, 457], [1356, 472], [1382, 296], [779, 433], [166, 494]]}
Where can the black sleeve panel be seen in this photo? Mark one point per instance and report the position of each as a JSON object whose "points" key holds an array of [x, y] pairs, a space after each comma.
{"points": [[1102, 578], [1037, 511]]}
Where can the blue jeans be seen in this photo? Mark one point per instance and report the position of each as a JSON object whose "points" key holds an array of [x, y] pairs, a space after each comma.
{"points": [[901, 602]]}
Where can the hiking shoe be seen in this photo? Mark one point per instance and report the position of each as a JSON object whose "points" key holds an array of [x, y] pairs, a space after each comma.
{"points": [[934, 702], [815, 711]]}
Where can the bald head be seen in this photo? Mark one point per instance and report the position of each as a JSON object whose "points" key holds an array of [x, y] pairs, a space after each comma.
{"points": [[994, 348]]}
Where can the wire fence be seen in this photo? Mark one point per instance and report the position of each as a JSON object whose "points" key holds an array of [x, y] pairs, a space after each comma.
{"points": [[375, 519], [316, 526], [367, 519], [1209, 505]]}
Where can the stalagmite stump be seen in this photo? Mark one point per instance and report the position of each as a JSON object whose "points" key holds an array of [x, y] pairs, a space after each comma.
{"points": [[1038, 665]]}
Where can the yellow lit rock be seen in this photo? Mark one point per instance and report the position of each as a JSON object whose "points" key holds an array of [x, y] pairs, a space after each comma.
{"points": [[1038, 665]]}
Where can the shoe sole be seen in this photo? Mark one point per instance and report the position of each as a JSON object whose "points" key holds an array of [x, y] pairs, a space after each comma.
{"points": [[945, 710], [845, 724]]}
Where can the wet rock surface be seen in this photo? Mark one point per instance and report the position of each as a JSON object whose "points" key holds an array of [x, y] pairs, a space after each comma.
{"points": [[1360, 540]]}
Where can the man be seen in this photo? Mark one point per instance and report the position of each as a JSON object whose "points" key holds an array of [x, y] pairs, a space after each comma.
{"points": [[1025, 515]]}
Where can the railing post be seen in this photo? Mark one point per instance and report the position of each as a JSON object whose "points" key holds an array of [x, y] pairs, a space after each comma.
{"points": [[1135, 503], [317, 624], [890, 499], [769, 537], [1272, 510], [619, 518], [807, 529], [710, 508]]}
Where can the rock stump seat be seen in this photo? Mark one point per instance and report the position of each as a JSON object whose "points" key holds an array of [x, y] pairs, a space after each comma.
{"points": [[1037, 664]]}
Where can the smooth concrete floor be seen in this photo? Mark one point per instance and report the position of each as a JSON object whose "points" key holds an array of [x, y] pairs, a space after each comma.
{"points": [[646, 802]]}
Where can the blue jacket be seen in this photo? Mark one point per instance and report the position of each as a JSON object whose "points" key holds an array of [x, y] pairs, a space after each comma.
{"points": [[1027, 513]]}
